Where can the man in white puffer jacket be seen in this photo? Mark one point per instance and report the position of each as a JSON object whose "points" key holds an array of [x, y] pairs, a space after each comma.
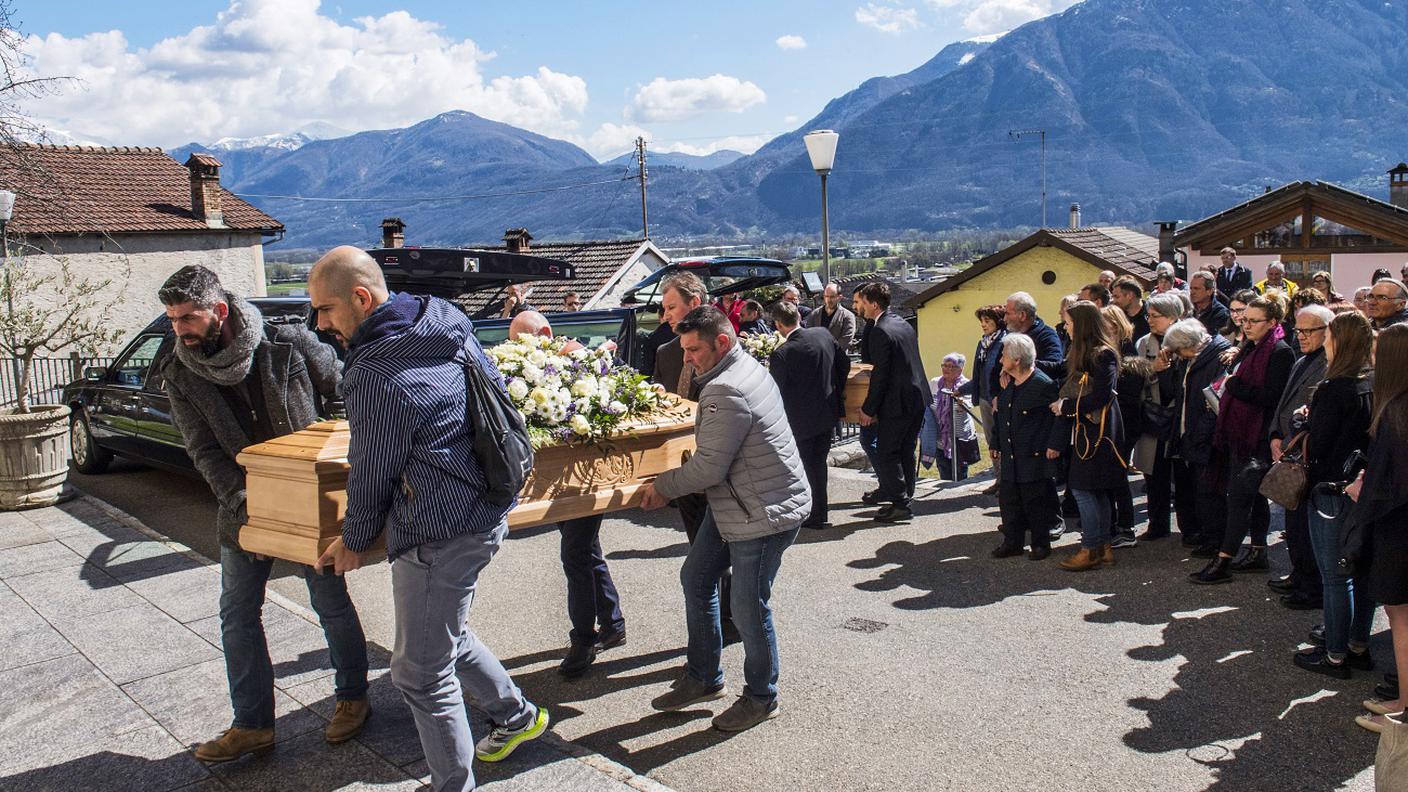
{"points": [[747, 463]]}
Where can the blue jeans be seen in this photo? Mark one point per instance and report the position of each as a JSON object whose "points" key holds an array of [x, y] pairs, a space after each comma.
{"points": [[1096, 516], [755, 563], [1349, 614], [437, 661], [869, 440], [592, 600], [247, 665]]}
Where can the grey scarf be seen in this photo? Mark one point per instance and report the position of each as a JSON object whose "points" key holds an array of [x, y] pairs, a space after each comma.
{"points": [[230, 365]]}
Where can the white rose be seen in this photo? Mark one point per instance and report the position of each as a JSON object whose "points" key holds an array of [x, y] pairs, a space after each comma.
{"points": [[585, 386], [518, 390], [537, 357], [532, 373], [580, 425], [539, 396]]}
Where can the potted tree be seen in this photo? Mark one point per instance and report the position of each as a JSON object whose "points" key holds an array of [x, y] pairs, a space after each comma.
{"points": [[47, 309]]}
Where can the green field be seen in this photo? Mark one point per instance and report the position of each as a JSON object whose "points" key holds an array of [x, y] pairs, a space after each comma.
{"points": [[285, 289]]}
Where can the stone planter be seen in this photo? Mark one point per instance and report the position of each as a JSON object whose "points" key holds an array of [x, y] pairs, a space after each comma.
{"points": [[295, 485], [33, 456]]}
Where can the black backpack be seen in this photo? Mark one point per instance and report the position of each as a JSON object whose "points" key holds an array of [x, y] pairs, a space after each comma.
{"points": [[501, 442]]}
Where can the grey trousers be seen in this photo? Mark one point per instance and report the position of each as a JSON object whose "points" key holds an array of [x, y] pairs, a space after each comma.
{"points": [[437, 660]]}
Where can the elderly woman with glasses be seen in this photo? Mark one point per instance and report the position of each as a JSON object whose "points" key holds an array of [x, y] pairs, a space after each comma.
{"points": [[1193, 459], [1156, 406], [944, 434]]}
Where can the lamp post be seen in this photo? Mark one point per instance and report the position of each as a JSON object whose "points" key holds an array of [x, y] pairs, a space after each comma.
{"points": [[821, 147], [7, 211]]}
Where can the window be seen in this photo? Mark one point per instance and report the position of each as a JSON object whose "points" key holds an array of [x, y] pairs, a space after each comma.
{"points": [[132, 369], [1329, 234]]}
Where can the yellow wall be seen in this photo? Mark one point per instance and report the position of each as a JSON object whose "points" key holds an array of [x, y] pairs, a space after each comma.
{"points": [[947, 324]]}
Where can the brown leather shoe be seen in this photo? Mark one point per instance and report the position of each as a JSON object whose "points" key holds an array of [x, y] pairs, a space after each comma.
{"points": [[348, 720], [1107, 555], [235, 742], [1084, 558]]}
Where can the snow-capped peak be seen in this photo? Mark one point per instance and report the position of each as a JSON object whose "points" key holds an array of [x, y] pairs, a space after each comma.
{"points": [[988, 39]]}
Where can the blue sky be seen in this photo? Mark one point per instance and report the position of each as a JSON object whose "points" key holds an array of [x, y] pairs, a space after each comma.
{"points": [[690, 76]]}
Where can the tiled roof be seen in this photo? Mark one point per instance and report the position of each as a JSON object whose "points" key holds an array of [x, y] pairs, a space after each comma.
{"points": [[594, 264], [90, 189], [1121, 247]]}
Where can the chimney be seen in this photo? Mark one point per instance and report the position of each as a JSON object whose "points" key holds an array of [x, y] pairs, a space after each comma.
{"points": [[1075, 215], [1398, 186], [393, 233], [205, 189], [1166, 248], [516, 240]]}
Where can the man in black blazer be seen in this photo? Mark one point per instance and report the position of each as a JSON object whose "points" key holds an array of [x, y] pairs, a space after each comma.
{"points": [[811, 371], [1232, 277], [1024, 432], [898, 396]]}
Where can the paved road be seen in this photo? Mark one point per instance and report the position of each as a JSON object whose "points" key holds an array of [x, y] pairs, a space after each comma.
{"points": [[911, 660]]}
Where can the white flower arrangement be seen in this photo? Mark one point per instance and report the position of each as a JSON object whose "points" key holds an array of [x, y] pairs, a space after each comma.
{"points": [[580, 396], [761, 345]]}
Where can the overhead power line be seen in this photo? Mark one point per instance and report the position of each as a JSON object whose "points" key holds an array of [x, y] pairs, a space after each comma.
{"points": [[438, 198]]}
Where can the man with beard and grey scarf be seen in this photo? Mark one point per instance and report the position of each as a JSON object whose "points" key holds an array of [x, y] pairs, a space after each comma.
{"points": [[234, 381]]}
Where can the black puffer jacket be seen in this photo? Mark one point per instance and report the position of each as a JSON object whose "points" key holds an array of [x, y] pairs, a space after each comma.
{"points": [[1194, 421]]}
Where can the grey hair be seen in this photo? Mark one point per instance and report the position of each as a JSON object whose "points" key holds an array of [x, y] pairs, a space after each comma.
{"points": [[956, 357], [192, 284], [1167, 304], [1165, 268], [1024, 302], [1277, 266], [1187, 302], [1364, 291], [1204, 275], [1186, 334], [1020, 349], [1319, 312]]}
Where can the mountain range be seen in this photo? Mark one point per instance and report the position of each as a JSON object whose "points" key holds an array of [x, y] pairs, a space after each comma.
{"points": [[1151, 109]]}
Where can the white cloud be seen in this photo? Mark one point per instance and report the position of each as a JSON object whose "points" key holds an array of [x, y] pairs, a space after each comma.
{"points": [[611, 140], [744, 143], [272, 65], [995, 16], [887, 19], [790, 42], [677, 100]]}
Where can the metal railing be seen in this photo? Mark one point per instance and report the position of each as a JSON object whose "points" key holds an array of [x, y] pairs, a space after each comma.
{"points": [[46, 379]]}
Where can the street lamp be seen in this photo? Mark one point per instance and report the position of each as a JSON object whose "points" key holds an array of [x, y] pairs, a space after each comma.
{"points": [[821, 147]]}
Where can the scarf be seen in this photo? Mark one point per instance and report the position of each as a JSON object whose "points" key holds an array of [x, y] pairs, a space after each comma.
{"points": [[1241, 426], [943, 411], [230, 365]]}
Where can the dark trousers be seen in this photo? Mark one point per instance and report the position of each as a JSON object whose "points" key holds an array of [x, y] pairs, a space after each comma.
{"points": [[1209, 491], [593, 606], [895, 463], [1028, 507], [693, 509], [1305, 574], [1247, 509], [1158, 493], [813, 451], [1186, 488], [1122, 503]]}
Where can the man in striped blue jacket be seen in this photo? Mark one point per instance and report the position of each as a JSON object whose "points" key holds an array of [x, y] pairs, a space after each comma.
{"points": [[414, 479]]}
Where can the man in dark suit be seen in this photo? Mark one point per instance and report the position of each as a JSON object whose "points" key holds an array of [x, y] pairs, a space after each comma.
{"points": [[1232, 277], [1025, 429], [810, 370], [899, 394]]}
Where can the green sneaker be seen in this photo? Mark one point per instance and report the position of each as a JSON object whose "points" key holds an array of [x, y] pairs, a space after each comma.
{"points": [[501, 740]]}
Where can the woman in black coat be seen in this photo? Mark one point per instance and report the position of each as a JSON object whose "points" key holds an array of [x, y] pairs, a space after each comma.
{"points": [[1089, 409], [1201, 505], [1339, 416], [1248, 402], [1382, 505]]}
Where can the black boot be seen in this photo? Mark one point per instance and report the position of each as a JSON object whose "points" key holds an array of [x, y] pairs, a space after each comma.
{"points": [[579, 658], [1215, 572], [1254, 560]]}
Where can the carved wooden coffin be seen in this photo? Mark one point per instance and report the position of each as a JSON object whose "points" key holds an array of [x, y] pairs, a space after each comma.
{"points": [[296, 484], [857, 385]]}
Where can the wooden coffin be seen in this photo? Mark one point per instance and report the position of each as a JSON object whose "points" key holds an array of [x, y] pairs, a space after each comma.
{"points": [[857, 385], [296, 484]]}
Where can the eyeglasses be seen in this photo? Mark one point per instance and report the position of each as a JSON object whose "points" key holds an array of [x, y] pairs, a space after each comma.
{"points": [[1305, 331], [1238, 311], [1386, 297]]}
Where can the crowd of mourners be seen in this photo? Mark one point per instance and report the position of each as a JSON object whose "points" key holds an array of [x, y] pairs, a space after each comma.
{"points": [[1246, 408]]}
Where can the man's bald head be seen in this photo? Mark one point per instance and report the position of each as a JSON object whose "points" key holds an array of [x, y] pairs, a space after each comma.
{"points": [[343, 269], [345, 286], [529, 323]]}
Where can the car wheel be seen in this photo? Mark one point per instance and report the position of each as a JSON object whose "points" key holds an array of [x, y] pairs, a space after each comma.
{"points": [[84, 454]]}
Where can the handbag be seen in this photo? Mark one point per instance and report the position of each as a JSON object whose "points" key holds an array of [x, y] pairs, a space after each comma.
{"points": [[1158, 418], [1287, 480], [1391, 759]]}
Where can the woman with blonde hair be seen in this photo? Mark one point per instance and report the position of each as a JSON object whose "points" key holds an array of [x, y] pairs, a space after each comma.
{"points": [[1089, 409]]}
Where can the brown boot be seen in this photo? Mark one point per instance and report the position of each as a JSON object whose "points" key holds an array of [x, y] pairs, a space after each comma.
{"points": [[1107, 555], [1085, 558], [235, 742], [348, 720]]}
